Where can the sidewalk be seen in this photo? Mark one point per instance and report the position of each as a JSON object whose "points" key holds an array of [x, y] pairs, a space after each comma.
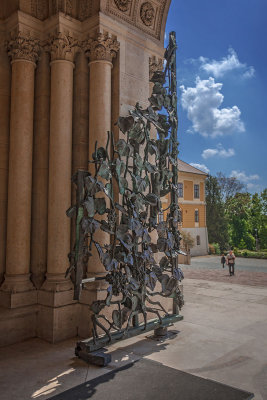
{"points": [[223, 337]]}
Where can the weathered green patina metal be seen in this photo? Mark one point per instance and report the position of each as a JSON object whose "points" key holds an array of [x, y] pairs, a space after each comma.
{"points": [[143, 169]]}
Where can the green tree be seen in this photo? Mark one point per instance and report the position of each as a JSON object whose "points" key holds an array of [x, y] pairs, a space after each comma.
{"points": [[256, 217], [216, 219], [238, 210], [263, 227], [230, 186]]}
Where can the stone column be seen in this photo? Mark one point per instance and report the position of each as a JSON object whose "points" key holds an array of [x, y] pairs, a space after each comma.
{"points": [[100, 51], [5, 83], [24, 54], [80, 123], [57, 314], [60, 157], [40, 171]]}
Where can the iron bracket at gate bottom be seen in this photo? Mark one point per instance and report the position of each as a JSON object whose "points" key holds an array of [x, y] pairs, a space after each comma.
{"points": [[87, 349]]}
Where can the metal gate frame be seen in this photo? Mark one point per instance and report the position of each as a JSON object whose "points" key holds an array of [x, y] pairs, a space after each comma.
{"points": [[130, 217]]}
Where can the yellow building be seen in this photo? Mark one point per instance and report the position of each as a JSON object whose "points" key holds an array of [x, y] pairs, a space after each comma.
{"points": [[191, 188]]}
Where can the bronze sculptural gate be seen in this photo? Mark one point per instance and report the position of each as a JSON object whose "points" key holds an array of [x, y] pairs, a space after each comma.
{"points": [[142, 170]]}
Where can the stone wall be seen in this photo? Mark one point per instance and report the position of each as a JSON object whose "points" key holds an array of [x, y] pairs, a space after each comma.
{"points": [[68, 69]]}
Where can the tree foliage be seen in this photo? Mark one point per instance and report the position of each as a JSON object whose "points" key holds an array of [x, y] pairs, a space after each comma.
{"points": [[229, 186], [238, 210], [237, 216], [216, 219], [188, 240]]}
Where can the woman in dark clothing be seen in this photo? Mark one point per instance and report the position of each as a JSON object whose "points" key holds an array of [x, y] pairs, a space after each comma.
{"points": [[223, 259]]}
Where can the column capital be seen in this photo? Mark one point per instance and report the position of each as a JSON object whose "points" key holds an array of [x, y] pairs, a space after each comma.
{"points": [[103, 47], [62, 47], [22, 47], [155, 65]]}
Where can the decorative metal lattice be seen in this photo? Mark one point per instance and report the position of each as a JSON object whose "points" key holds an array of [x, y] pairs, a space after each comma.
{"points": [[141, 169]]}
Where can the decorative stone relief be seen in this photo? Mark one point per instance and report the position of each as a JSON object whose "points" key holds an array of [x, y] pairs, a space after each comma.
{"points": [[69, 7], [85, 9], [155, 65], [147, 13], [62, 47], [102, 48], [57, 5], [23, 48], [39, 9], [123, 5]]}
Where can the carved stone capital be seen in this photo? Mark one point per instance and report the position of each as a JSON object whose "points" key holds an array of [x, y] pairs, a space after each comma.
{"points": [[155, 65], [102, 48], [147, 13], [23, 48], [62, 47], [123, 5]]}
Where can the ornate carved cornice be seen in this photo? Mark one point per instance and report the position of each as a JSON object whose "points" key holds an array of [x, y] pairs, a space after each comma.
{"points": [[62, 47], [147, 13], [103, 47], [147, 16], [23, 48], [155, 65], [123, 5]]}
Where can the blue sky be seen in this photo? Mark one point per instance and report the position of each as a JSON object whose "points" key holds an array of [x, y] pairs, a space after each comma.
{"points": [[222, 76]]}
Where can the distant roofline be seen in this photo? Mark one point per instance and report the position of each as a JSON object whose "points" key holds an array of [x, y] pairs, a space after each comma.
{"points": [[192, 170]]}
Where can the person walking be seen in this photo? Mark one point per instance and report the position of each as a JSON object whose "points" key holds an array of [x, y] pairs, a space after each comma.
{"points": [[223, 259], [230, 260]]}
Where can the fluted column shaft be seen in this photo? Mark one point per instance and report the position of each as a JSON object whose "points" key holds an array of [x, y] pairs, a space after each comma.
{"points": [[40, 171], [99, 125], [80, 124], [5, 81], [60, 157], [100, 103], [24, 53]]}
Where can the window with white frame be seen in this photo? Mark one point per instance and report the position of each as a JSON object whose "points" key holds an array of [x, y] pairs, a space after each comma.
{"points": [[180, 190], [196, 191], [196, 216]]}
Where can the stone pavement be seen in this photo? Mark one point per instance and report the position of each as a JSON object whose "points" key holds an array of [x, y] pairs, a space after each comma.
{"points": [[242, 263], [222, 275], [248, 271], [222, 337]]}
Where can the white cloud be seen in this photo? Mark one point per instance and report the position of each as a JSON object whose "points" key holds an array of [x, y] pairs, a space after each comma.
{"points": [[219, 152], [242, 177], [209, 153], [202, 167], [249, 73], [253, 187], [202, 104], [226, 64]]}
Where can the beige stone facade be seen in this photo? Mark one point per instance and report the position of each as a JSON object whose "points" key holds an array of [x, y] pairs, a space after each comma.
{"points": [[68, 69]]}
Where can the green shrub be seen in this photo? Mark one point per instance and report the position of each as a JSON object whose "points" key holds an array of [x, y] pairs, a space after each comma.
{"points": [[242, 244], [216, 247], [250, 254]]}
